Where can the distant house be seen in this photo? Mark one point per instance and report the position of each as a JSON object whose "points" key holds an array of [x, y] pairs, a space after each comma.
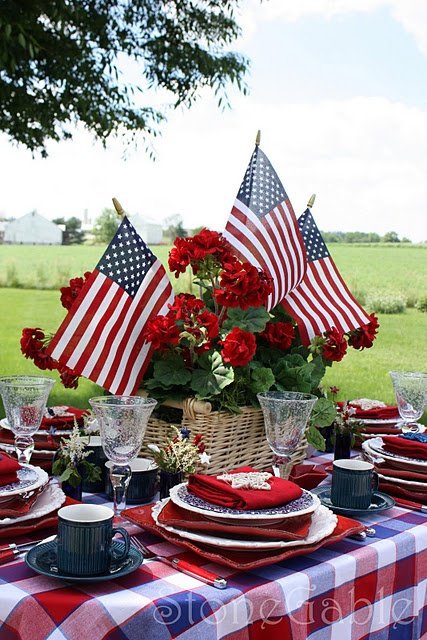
{"points": [[32, 229], [149, 230]]}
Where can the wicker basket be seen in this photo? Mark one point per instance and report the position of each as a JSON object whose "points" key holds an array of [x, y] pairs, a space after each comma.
{"points": [[231, 440]]}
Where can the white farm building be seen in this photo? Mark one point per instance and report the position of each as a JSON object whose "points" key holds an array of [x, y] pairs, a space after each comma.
{"points": [[32, 229], [151, 232]]}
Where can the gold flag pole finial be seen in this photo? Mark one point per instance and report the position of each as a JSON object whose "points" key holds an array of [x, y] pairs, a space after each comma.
{"points": [[258, 138], [118, 207], [310, 203]]}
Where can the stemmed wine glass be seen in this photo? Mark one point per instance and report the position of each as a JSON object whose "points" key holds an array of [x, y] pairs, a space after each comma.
{"points": [[24, 399], [410, 389], [285, 418], [122, 423]]}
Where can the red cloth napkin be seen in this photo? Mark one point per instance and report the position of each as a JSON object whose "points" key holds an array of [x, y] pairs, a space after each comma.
{"points": [[216, 491], [380, 413], [17, 506], [405, 447], [8, 469], [290, 529], [64, 422], [307, 476]]}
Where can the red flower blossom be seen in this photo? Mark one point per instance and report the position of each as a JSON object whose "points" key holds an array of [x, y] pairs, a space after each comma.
{"points": [[242, 286], [279, 335], [69, 379], [32, 340], [238, 347], [70, 293], [161, 331], [335, 346], [184, 306], [364, 336], [180, 256]]}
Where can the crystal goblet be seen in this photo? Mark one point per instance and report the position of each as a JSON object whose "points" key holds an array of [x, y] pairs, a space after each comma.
{"points": [[24, 399], [122, 423], [285, 418], [410, 389]]}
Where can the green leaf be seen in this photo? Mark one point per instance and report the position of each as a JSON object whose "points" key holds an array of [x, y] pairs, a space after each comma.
{"points": [[212, 377], [171, 371], [253, 319], [262, 379], [315, 438], [324, 413]]}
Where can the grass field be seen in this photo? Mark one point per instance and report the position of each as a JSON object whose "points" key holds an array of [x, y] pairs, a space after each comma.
{"points": [[400, 343]]}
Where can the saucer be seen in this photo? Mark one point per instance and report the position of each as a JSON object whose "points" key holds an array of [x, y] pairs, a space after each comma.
{"points": [[42, 559], [380, 502]]}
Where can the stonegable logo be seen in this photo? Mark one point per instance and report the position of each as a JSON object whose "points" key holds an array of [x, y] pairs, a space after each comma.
{"points": [[385, 611]]}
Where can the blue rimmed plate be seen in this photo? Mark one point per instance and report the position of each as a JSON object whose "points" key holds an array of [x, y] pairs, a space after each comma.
{"points": [[43, 559], [307, 503]]}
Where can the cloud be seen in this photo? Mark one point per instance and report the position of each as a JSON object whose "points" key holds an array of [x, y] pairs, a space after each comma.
{"points": [[364, 157], [411, 14]]}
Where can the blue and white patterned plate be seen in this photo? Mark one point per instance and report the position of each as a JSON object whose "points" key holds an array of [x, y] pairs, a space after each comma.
{"points": [[307, 503], [29, 478]]}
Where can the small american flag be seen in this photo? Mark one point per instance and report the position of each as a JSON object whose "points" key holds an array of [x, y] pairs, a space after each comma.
{"points": [[263, 228], [101, 337], [321, 300]]}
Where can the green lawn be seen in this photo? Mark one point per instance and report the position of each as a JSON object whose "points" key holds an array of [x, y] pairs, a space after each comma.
{"points": [[400, 343]]}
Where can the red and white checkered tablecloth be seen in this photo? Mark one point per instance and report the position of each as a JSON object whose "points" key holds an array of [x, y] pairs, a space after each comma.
{"points": [[353, 590]]}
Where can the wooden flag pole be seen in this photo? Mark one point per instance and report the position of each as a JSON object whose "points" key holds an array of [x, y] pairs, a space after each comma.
{"points": [[310, 203], [258, 138], [118, 207]]}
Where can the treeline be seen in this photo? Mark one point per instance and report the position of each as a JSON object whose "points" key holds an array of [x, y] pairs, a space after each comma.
{"points": [[361, 236]]}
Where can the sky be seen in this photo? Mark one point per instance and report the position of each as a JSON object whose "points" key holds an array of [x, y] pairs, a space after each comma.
{"points": [[338, 89]]}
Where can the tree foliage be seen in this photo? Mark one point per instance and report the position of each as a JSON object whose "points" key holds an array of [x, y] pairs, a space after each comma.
{"points": [[106, 226], [63, 62], [73, 233]]}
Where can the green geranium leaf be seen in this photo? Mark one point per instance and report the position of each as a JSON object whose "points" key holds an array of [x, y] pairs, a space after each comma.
{"points": [[262, 379], [171, 371], [293, 373], [253, 319], [318, 371], [315, 438], [212, 377], [324, 413]]}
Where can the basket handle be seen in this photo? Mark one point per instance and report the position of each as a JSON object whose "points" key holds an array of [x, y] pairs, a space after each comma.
{"points": [[190, 406]]}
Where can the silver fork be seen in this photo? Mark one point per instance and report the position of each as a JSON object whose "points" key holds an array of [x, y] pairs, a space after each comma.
{"points": [[182, 565]]}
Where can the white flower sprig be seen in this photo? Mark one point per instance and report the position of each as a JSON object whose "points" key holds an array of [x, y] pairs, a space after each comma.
{"points": [[180, 454]]}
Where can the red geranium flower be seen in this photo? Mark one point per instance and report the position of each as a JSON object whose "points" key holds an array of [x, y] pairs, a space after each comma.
{"points": [[32, 340], [70, 293], [242, 286], [335, 346], [69, 379], [364, 336], [161, 331], [180, 256], [279, 335], [238, 347]]}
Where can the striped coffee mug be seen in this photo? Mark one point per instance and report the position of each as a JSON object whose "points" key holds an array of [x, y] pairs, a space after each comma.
{"points": [[353, 483]]}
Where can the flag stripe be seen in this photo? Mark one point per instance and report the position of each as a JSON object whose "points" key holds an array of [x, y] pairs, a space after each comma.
{"points": [[114, 362], [126, 375], [361, 317], [58, 346]]}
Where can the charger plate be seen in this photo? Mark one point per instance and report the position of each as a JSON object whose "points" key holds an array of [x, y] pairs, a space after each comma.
{"points": [[237, 559], [307, 503], [322, 524]]}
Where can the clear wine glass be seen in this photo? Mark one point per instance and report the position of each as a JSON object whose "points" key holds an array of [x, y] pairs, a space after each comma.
{"points": [[122, 423], [24, 399], [285, 418], [410, 389]]}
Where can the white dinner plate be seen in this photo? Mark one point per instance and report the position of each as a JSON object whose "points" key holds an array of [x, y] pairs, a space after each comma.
{"points": [[50, 499], [374, 448], [29, 478], [307, 503], [408, 484], [322, 525]]}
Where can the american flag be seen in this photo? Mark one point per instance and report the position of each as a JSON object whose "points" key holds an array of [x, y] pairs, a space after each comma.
{"points": [[101, 337], [321, 300], [263, 228]]}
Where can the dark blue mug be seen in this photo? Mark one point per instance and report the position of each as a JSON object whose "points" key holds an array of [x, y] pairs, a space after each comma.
{"points": [[353, 483], [143, 484], [85, 533]]}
